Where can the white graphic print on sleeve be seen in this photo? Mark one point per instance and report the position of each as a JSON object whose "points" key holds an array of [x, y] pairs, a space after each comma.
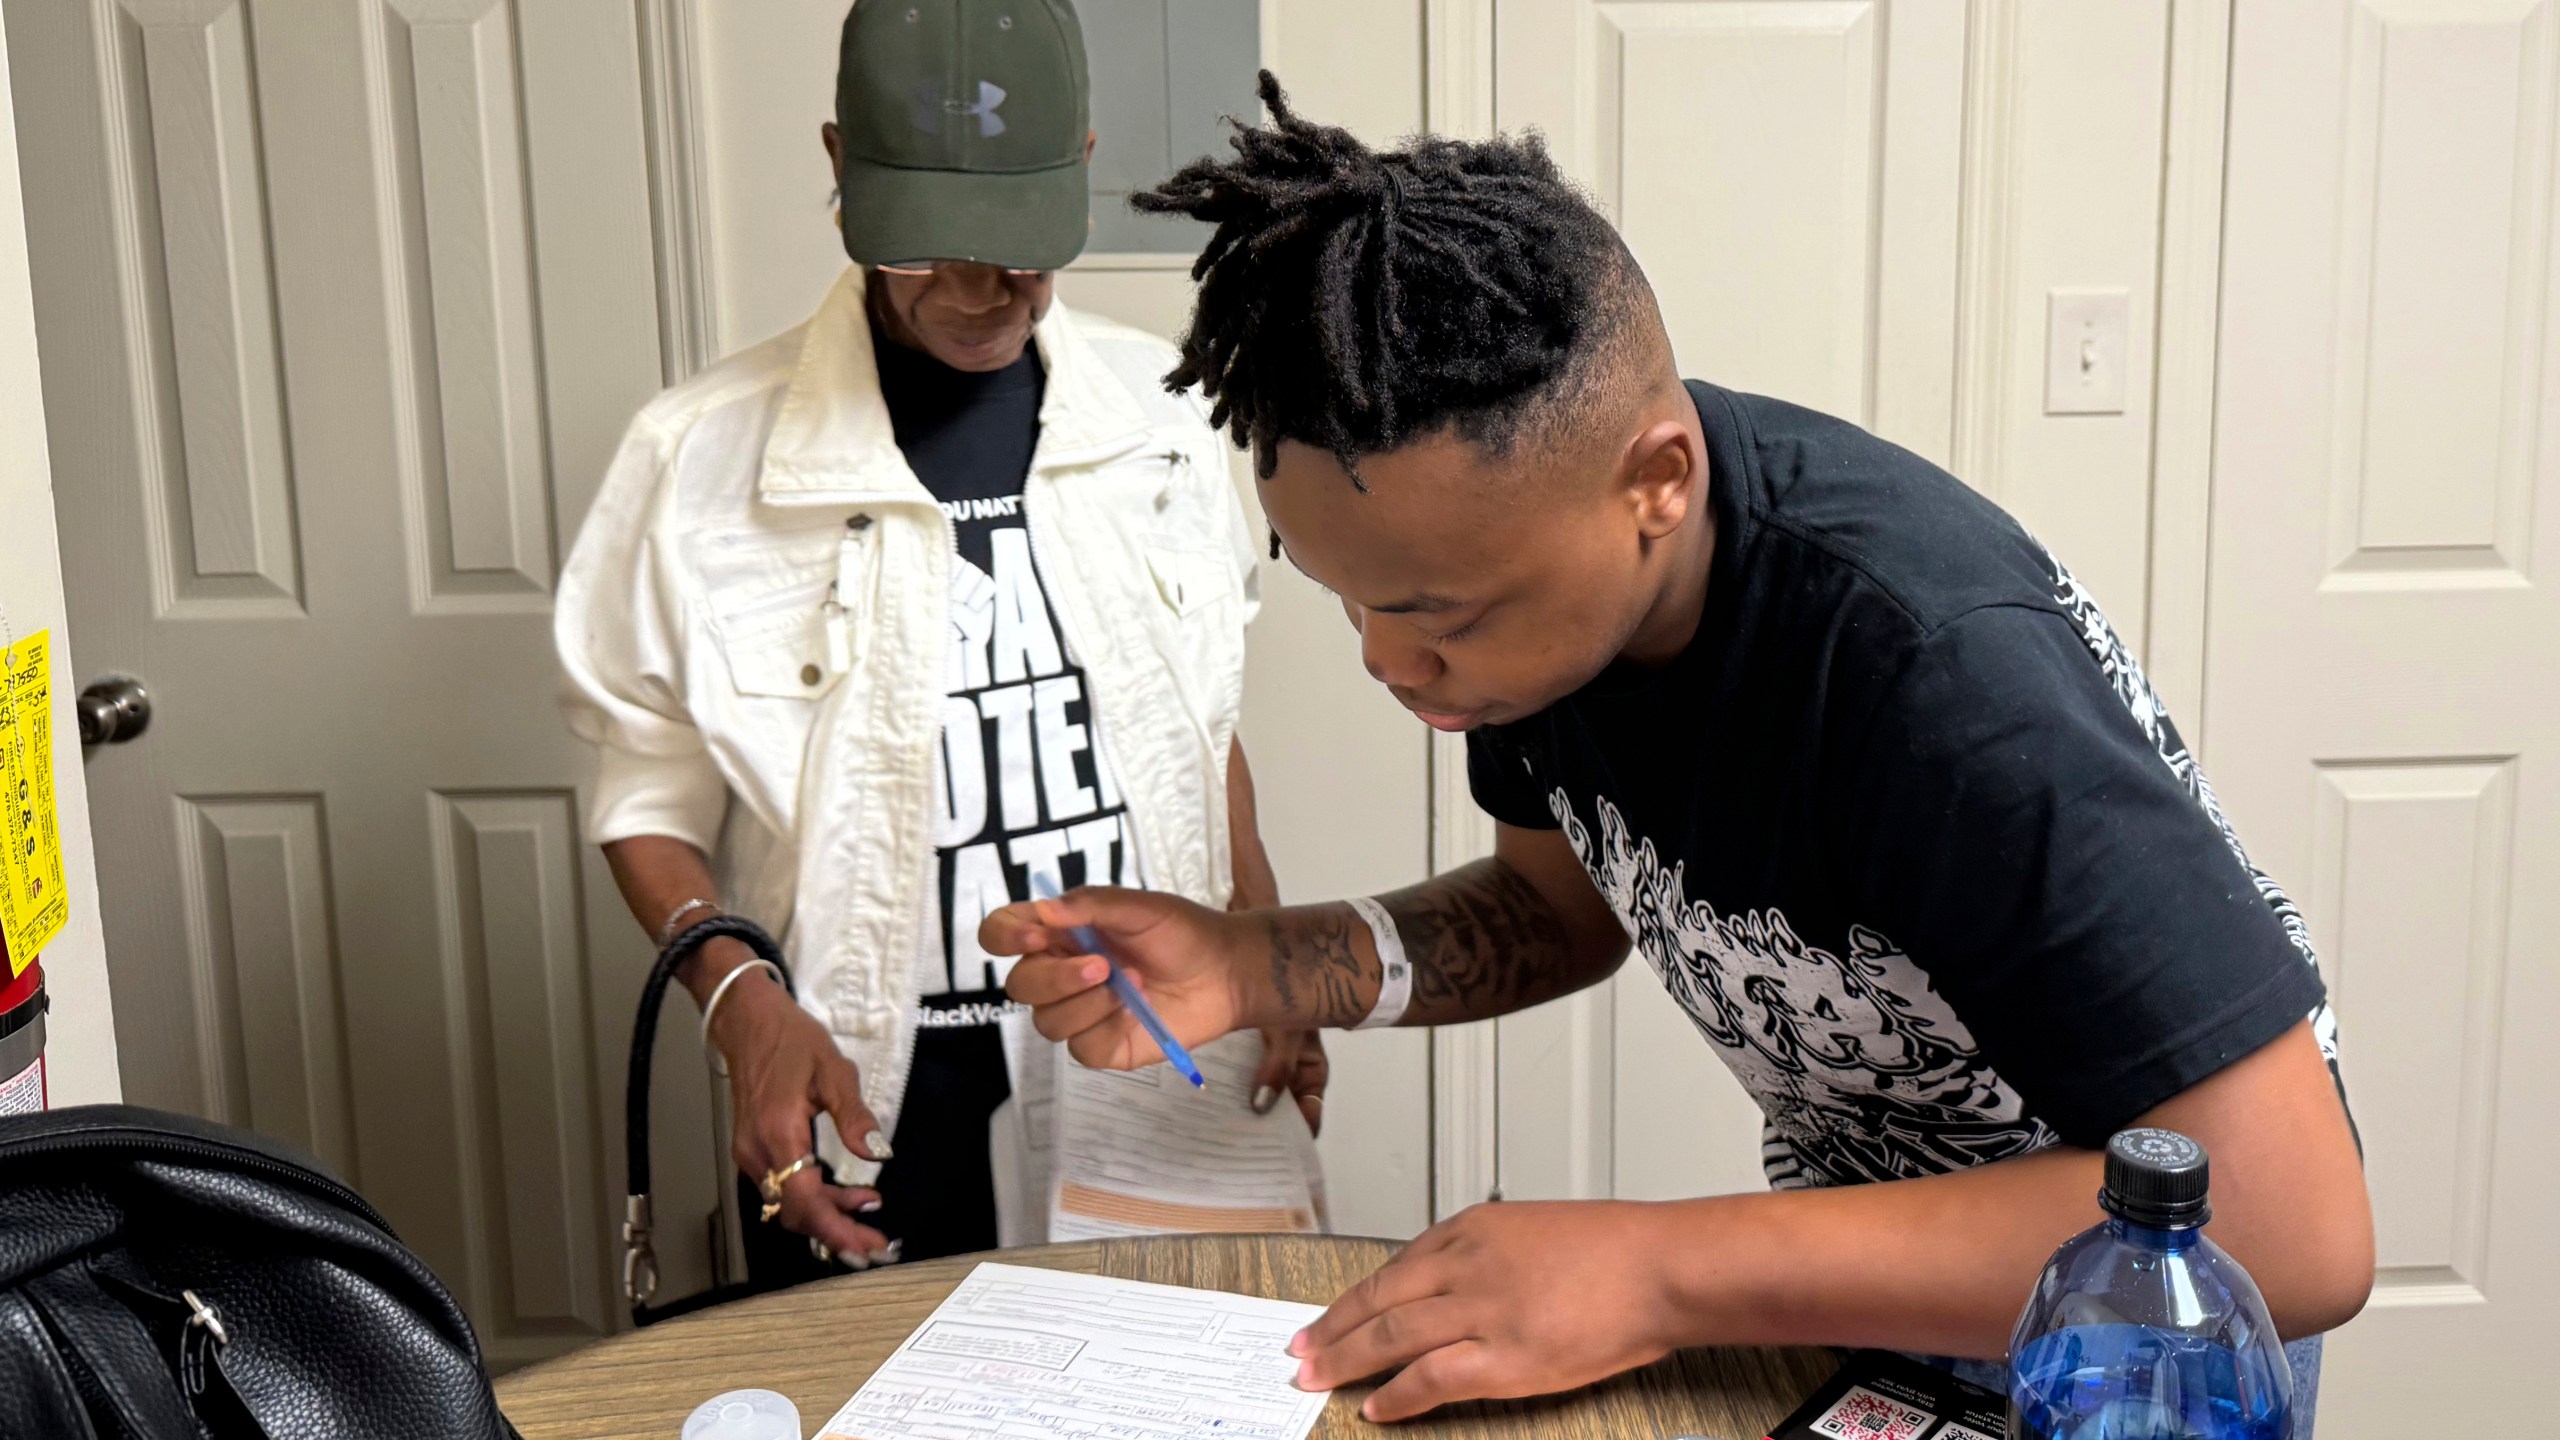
{"points": [[2134, 688], [1862, 1071]]}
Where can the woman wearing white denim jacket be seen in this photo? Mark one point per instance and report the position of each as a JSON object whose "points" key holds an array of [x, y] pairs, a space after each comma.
{"points": [[864, 701]]}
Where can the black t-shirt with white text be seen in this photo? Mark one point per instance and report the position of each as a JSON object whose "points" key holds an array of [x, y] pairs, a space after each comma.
{"points": [[1019, 788], [1904, 829]]}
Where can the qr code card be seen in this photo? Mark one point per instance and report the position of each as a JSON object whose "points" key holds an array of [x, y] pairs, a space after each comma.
{"points": [[1962, 1432], [1862, 1414]]}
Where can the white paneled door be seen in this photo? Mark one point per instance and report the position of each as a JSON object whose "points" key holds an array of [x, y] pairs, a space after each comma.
{"points": [[343, 304], [2382, 678], [1789, 174]]}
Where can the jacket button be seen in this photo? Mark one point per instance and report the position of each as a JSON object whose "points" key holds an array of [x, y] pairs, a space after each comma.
{"points": [[809, 674], [858, 523]]}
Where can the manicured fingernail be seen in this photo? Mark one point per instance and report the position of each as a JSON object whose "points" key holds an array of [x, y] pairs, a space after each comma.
{"points": [[868, 1207], [1298, 1343], [1264, 1097], [880, 1257], [1094, 972], [877, 1144]]}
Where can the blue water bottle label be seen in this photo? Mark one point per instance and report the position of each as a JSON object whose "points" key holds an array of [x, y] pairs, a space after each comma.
{"points": [[1878, 1395]]}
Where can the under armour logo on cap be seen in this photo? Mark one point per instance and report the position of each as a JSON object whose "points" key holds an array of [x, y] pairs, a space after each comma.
{"points": [[931, 105]]}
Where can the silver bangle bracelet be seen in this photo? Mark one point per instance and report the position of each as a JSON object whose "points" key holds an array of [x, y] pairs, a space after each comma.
{"points": [[720, 992], [675, 917]]}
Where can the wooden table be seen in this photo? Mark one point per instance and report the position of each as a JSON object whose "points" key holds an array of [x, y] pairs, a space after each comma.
{"points": [[818, 1343]]}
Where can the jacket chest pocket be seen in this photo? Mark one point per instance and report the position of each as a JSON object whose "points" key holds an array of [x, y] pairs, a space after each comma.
{"points": [[790, 618], [778, 646]]}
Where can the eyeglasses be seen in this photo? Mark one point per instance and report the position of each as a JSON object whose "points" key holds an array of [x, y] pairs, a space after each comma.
{"points": [[916, 269]]}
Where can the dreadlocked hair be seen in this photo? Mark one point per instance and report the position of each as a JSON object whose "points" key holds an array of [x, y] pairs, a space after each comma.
{"points": [[1357, 299]]}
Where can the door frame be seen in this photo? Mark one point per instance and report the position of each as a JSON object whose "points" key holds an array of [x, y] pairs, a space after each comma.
{"points": [[2187, 347], [1458, 99]]}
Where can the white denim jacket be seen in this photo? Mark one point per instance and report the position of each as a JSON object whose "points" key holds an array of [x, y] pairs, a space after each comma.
{"points": [[754, 627]]}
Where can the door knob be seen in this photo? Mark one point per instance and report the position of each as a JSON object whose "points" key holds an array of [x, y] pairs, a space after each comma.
{"points": [[113, 711]]}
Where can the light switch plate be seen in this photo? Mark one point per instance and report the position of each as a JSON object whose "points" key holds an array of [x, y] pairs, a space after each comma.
{"points": [[2084, 351]]}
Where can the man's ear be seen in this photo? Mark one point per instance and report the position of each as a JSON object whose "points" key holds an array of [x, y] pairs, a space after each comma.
{"points": [[833, 139], [1089, 137], [1665, 477]]}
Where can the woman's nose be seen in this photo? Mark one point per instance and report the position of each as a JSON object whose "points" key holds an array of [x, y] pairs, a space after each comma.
{"points": [[975, 288]]}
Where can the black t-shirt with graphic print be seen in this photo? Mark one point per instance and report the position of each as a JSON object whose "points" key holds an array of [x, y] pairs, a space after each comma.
{"points": [[1904, 829], [1018, 787]]}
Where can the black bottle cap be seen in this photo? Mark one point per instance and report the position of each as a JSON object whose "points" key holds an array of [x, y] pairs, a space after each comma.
{"points": [[2157, 1178]]}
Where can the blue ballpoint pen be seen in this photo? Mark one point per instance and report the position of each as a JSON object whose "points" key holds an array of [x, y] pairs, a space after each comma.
{"points": [[1044, 888]]}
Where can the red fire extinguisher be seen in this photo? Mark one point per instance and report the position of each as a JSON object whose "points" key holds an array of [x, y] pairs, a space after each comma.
{"points": [[22, 1007]]}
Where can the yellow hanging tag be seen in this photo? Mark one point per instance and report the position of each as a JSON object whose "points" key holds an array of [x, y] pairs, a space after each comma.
{"points": [[33, 901]]}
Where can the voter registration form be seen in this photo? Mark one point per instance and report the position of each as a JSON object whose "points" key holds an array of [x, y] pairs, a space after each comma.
{"points": [[1018, 1353]]}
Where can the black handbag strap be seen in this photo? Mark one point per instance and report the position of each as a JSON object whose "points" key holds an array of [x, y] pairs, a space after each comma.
{"points": [[639, 1253]]}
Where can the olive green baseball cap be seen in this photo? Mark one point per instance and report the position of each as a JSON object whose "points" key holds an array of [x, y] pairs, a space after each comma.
{"points": [[963, 125]]}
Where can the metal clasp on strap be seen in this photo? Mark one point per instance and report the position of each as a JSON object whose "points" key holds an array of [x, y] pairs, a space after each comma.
{"points": [[639, 1257], [205, 1318], [204, 1338]]}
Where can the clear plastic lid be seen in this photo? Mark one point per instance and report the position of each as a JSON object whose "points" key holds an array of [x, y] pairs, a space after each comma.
{"points": [[744, 1415]]}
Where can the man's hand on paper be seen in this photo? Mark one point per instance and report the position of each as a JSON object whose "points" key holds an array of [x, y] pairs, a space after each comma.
{"points": [[1499, 1301], [784, 1071], [1185, 957]]}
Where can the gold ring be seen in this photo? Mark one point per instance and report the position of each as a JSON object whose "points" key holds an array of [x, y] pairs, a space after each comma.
{"points": [[771, 1185]]}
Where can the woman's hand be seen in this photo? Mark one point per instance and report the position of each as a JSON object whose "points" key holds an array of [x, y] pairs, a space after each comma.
{"points": [[785, 1070], [1294, 1064], [1521, 1298]]}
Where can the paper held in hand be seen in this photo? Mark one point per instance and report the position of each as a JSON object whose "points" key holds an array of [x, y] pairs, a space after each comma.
{"points": [[1141, 1152], [1018, 1351]]}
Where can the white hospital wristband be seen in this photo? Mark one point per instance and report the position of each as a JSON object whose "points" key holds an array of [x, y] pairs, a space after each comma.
{"points": [[1395, 984]]}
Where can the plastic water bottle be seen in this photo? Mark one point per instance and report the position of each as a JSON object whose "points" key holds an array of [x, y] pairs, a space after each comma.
{"points": [[2143, 1329]]}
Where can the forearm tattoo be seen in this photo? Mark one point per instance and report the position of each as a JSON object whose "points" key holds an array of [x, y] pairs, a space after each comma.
{"points": [[1483, 942], [1316, 974], [1481, 939]]}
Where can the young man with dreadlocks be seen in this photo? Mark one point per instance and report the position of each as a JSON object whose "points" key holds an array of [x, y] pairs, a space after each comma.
{"points": [[1858, 767]]}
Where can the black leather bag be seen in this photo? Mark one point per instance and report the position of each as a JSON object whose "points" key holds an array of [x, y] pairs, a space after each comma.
{"points": [[639, 1252], [163, 1278]]}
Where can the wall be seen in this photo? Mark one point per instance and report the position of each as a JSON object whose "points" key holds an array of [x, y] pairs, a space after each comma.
{"points": [[2075, 204], [80, 1049], [1343, 770], [766, 85]]}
